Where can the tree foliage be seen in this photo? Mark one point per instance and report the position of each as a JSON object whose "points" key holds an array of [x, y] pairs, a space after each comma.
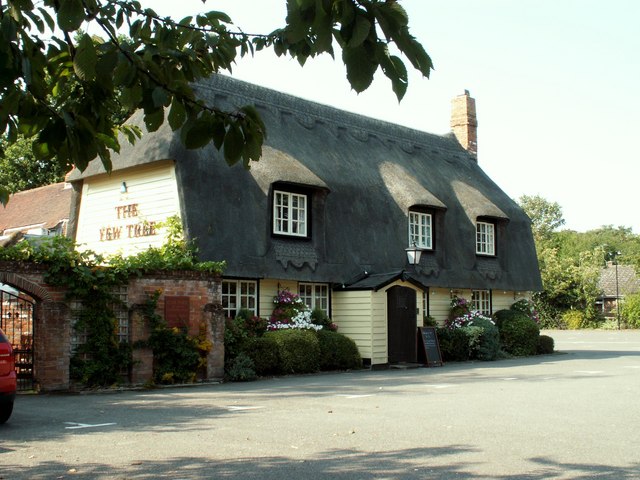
{"points": [[546, 217], [20, 170], [63, 92], [570, 262]]}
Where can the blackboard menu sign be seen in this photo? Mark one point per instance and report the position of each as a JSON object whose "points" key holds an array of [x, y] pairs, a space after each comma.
{"points": [[430, 347]]}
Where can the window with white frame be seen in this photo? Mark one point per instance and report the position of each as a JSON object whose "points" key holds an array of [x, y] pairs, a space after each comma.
{"points": [[239, 294], [485, 238], [315, 295], [481, 301], [420, 230], [290, 213]]}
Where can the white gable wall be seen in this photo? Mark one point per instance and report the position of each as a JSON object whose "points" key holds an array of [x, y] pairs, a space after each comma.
{"points": [[112, 222]]}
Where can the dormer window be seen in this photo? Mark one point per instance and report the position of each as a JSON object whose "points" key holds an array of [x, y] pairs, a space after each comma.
{"points": [[421, 230], [290, 214], [485, 238]]}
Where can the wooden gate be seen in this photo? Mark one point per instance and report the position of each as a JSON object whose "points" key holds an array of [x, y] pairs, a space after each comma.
{"points": [[401, 324], [16, 320]]}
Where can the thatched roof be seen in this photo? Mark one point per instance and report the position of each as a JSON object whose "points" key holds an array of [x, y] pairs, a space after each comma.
{"points": [[363, 174]]}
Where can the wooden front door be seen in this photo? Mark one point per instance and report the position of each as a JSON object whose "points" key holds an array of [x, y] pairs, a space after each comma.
{"points": [[401, 324]]}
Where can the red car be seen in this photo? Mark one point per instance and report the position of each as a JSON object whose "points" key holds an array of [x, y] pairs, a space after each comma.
{"points": [[7, 378]]}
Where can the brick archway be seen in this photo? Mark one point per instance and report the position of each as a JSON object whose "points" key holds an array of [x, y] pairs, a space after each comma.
{"points": [[51, 323]]}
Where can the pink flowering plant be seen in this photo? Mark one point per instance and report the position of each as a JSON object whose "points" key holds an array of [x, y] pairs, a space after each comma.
{"points": [[290, 312], [459, 306]]}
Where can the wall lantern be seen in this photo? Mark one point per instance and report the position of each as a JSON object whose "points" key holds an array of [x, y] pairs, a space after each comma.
{"points": [[414, 254], [123, 187]]}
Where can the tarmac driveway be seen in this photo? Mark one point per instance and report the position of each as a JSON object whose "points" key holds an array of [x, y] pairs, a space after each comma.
{"points": [[571, 415]]}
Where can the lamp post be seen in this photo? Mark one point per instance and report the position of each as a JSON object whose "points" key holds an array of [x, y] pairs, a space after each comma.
{"points": [[614, 257], [414, 253], [617, 290]]}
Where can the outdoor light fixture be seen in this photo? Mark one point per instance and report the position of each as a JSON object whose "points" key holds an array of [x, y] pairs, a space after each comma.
{"points": [[413, 254], [123, 187]]}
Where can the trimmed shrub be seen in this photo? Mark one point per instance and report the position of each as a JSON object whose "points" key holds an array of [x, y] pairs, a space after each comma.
{"points": [[298, 350], [337, 352], [502, 316], [573, 319], [485, 344], [454, 344], [263, 351], [241, 369], [545, 345], [519, 335], [319, 317]]}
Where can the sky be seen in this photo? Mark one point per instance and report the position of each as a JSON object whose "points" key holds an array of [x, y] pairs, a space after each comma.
{"points": [[556, 83]]}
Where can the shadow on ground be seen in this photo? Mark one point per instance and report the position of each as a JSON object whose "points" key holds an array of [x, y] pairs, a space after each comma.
{"points": [[336, 464]]}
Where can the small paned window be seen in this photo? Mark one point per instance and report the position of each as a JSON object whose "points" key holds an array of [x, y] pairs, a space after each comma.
{"points": [[290, 214], [239, 294], [315, 295], [421, 230], [485, 238], [481, 301]]}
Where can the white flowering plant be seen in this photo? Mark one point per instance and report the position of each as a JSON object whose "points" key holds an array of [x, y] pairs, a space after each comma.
{"points": [[467, 320], [290, 312]]}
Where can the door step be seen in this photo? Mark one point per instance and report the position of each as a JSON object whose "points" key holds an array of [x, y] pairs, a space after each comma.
{"points": [[404, 366]]}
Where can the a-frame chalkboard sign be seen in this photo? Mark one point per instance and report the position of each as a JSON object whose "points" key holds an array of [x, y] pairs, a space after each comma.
{"points": [[429, 347]]}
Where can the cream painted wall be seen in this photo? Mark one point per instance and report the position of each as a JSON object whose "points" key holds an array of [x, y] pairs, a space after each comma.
{"points": [[112, 222], [268, 290], [440, 300], [352, 312]]}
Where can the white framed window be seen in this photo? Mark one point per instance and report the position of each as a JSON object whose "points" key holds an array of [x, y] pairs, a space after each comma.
{"points": [[290, 213], [315, 295], [421, 230], [238, 294], [481, 301], [485, 238]]}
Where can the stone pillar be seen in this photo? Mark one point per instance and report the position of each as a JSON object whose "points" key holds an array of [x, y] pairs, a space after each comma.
{"points": [[52, 339], [142, 370], [214, 315]]}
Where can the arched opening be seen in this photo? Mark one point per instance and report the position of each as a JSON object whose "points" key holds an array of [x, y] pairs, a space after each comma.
{"points": [[17, 320]]}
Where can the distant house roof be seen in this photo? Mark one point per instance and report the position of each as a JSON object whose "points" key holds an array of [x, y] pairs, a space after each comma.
{"points": [[44, 208], [627, 283], [364, 173]]}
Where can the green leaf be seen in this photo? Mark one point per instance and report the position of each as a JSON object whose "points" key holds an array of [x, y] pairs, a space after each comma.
{"points": [[47, 18], [360, 67], [70, 15], [198, 133], [160, 97], [154, 119], [360, 32], [177, 114], [85, 59], [233, 144], [395, 70], [131, 96]]}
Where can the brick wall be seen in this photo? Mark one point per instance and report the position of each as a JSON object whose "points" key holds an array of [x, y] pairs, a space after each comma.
{"points": [[191, 298]]}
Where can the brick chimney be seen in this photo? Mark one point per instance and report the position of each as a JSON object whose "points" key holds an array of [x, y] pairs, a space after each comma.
{"points": [[464, 122]]}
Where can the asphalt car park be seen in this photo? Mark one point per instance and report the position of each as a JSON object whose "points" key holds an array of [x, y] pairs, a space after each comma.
{"points": [[570, 415]]}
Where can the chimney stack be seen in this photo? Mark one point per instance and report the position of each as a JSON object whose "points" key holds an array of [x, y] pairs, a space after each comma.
{"points": [[464, 122]]}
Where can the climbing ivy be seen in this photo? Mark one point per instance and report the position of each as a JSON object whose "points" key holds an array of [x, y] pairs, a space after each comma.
{"points": [[90, 280]]}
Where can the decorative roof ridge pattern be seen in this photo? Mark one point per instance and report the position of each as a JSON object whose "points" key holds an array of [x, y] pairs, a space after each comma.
{"points": [[359, 126]]}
